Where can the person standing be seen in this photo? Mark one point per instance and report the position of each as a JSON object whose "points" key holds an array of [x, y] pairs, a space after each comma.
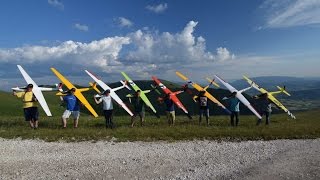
{"points": [[170, 111], [73, 108], [30, 108], [139, 107], [203, 107], [234, 104], [107, 107], [265, 107]]}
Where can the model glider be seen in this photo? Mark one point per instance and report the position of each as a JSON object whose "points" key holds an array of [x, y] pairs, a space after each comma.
{"points": [[78, 92], [112, 91], [240, 96], [173, 95], [37, 91], [199, 88], [271, 97], [142, 93]]}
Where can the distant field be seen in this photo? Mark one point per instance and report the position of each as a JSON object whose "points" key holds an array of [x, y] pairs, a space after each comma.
{"points": [[306, 126]]}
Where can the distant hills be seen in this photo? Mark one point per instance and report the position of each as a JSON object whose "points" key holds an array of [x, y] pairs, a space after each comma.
{"points": [[291, 83]]}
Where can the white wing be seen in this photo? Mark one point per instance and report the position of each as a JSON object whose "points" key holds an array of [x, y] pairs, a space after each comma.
{"points": [[239, 96], [36, 91], [112, 93]]}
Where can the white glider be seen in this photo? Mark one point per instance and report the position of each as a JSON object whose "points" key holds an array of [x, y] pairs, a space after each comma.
{"points": [[113, 95], [37, 91], [240, 96]]}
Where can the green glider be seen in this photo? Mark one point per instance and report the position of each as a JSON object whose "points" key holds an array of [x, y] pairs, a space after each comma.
{"points": [[142, 93]]}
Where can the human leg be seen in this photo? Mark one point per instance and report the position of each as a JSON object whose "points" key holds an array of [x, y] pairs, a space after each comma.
{"points": [[173, 117], [66, 114], [168, 117], [207, 116], [232, 118], [237, 118], [268, 118], [141, 114], [76, 115], [200, 116]]}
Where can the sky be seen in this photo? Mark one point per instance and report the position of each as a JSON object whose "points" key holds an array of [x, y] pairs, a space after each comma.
{"points": [[143, 38]]}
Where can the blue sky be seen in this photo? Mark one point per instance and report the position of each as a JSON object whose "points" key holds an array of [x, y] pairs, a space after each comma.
{"points": [[144, 38]]}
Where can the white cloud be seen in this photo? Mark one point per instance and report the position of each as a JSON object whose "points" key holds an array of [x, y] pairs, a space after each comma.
{"points": [[124, 22], [179, 48], [142, 53], [157, 8], [56, 4], [95, 53], [223, 54], [81, 27], [280, 14]]}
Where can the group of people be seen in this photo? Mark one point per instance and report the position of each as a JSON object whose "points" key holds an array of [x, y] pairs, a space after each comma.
{"points": [[31, 112]]}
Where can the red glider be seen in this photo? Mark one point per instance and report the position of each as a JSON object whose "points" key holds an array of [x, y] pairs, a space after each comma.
{"points": [[174, 98]]}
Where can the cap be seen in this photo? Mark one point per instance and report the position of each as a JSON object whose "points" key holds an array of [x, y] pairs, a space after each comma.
{"points": [[106, 91], [30, 86]]}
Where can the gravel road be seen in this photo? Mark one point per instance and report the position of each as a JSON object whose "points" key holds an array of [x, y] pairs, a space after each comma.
{"points": [[279, 159]]}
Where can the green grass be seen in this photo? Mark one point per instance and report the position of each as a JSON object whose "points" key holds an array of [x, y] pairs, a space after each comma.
{"points": [[90, 129]]}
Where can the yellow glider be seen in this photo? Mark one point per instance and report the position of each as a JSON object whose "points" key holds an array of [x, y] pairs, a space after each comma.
{"points": [[207, 94], [78, 92], [270, 95]]}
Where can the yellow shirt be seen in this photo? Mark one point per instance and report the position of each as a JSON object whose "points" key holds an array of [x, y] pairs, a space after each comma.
{"points": [[27, 98]]}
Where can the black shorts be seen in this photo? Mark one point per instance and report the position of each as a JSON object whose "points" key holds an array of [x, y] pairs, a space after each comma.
{"points": [[31, 113]]}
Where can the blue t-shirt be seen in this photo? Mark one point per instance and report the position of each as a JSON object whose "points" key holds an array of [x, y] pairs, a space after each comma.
{"points": [[72, 102], [169, 104], [234, 104]]}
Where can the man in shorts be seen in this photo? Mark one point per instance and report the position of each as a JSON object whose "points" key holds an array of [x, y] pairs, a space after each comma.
{"points": [[139, 108], [203, 107], [73, 108], [30, 108], [170, 111]]}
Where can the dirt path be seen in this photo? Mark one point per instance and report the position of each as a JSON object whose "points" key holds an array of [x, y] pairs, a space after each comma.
{"points": [[280, 159]]}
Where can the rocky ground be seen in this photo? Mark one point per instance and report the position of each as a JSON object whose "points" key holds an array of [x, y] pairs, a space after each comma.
{"points": [[279, 159]]}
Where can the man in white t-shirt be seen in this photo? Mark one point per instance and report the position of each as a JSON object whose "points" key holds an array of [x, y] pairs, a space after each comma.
{"points": [[107, 107]]}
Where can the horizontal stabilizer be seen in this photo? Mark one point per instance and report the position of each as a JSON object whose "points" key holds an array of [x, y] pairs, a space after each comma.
{"points": [[83, 89], [94, 86], [125, 84], [283, 90], [211, 81], [61, 94]]}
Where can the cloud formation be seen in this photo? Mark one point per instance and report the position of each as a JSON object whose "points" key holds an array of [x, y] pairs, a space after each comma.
{"points": [[140, 53], [281, 14], [124, 22], [81, 27], [56, 4], [157, 8]]}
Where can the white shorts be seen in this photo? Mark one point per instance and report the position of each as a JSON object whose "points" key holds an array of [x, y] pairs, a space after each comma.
{"points": [[66, 114]]}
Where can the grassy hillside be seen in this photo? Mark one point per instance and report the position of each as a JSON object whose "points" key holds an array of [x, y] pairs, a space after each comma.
{"points": [[306, 126]]}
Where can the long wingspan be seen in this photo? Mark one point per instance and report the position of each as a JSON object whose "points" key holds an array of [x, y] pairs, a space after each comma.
{"points": [[239, 96], [142, 94], [270, 96], [112, 93], [36, 91], [174, 98], [78, 93], [199, 88]]}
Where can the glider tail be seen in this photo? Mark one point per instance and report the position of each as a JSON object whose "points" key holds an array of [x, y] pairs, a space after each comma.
{"points": [[211, 81], [125, 84], [283, 90], [94, 86]]}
